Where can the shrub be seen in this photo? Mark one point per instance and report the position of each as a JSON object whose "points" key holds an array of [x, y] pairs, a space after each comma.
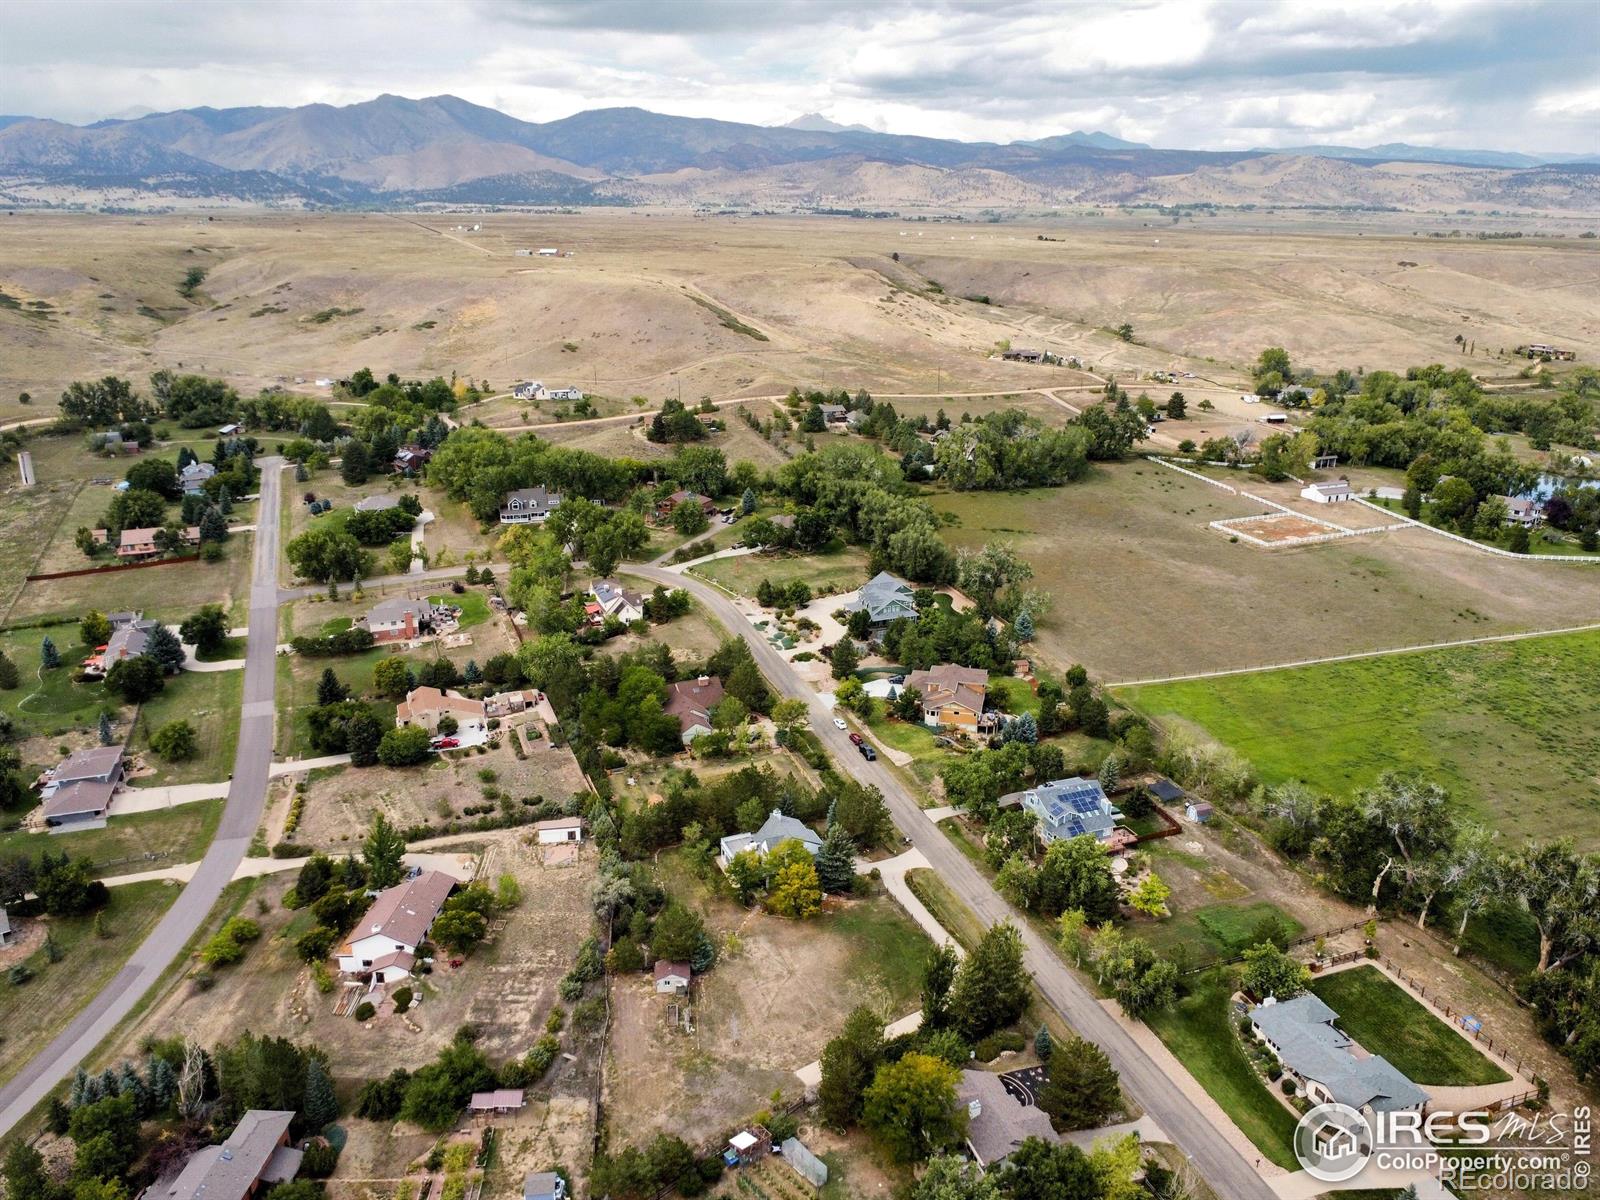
{"points": [[402, 999], [365, 1011], [995, 1044], [1288, 1087], [320, 1159]]}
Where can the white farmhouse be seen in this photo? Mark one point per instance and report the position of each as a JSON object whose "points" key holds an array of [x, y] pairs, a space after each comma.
{"points": [[383, 946], [1327, 493]]}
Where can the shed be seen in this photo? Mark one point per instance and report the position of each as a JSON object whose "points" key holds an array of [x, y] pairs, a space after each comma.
{"points": [[1198, 810], [559, 829], [501, 1100], [673, 978], [748, 1145], [543, 1185]]}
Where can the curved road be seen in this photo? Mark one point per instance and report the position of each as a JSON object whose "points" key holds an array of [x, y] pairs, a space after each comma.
{"points": [[1213, 1156], [240, 816]]}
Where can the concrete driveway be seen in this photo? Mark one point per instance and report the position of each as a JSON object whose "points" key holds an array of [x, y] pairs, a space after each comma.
{"points": [[1223, 1167]]}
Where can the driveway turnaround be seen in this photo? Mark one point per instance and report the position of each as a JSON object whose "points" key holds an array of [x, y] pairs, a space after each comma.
{"points": [[1222, 1166], [246, 795]]}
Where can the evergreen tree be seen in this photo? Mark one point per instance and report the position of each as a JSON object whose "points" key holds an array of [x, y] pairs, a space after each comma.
{"points": [[224, 500], [1024, 626], [163, 1083], [1042, 1045], [937, 978], [129, 1083], [329, 688], [49, 656], [845, 658], [747, 502], [110, 1084], [991, 987], [848, 1063], [9, 676], [78, 1095], [836, 857], [166, 649], [107, 738], [472, 672], [213, 526], [1082, 1089], [321, 1107], [382, 853], [1110, 773]]}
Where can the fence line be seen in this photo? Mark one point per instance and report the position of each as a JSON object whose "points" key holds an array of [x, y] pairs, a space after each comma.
{"points": [[112, 570], [1466, 541], [1452, 1015], [1299, 941]]}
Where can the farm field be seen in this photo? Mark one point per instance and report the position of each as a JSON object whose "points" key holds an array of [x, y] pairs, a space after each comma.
{"points": [[1130, 544], [1388, 1021], [1511, 729], [33, 1013]]}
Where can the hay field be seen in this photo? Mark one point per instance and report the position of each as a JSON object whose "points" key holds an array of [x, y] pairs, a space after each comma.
{"points": [[749, 306], [1142, 589]]}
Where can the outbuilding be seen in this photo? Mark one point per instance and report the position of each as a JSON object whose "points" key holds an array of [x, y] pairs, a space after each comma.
{"points": [[673, 978], [559, 829]]}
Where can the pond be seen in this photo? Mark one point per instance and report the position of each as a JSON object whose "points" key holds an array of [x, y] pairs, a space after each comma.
{"points": [[1549, 485]]}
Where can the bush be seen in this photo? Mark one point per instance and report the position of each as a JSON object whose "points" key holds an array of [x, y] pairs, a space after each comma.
{"points": [[365, 1011], [995, 1044], [402, 999], [1288, 1087], [1275, 1072], [320, 1159]]}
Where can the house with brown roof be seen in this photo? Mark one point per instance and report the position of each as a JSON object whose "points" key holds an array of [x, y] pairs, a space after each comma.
{"points": [[76, 803], [665, 507], [673, 978], [691, 701], [501, 1100], [426, 706], [383, 945], [398, 619], [952, 696], [256, 1155], [98, 764], [137, 545]]}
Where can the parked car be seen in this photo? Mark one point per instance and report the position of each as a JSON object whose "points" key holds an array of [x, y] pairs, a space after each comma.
{"points": [[867, 752], [897, 679], [838, 723], [446, 743], [857, 738]]}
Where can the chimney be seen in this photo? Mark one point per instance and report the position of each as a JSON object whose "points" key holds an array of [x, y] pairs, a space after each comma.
{"points": [[704, 681], [974, 1109]]}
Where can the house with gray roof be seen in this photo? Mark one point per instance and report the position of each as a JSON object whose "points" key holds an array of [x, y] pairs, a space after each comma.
{"points": [[1069, 808], [377, 502], [997, 1122], [194, 476], [774, 831], [885, 598], [1328, 1066], [528, 506], [543, 1185], [98, 764], [256, 1153]]}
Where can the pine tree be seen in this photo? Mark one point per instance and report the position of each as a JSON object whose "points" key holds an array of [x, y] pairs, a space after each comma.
{"points": [[1042, 1044], [1110, 773], [991, 987], [321, 1108], [166, 649], [130, 1084], [78, 1096], [108, 1084], [836, 859], [472, 672], [329, 689], [107, 737], [49, 656], [224, 500], [845, 658], [213, 526], [1024, 626], [162, 1082], [1024, 729], [9, 677], [747, 502]]}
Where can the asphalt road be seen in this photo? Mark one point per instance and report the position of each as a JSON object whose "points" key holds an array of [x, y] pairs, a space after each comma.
{"points": [[1216, 1160], [240, 816]]}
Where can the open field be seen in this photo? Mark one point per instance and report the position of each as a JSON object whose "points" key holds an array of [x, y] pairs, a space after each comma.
{"points": [[641, 299], [209, 701], [780, 991], [33, 1013], [842, 571], [1386, 1020], [137, 842], [625, 440], [165, 593], [1511, 729], [1129, 548]]}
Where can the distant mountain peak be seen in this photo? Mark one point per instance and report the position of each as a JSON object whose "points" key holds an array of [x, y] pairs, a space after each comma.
{"points": [[817, 123], [1078, 137]]}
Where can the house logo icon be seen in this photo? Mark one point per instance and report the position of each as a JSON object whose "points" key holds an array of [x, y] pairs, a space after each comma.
{"points": [[1333, 1142]]}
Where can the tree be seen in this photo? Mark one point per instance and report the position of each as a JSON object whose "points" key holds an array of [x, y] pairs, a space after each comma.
{"points": [[986, 574], [677, 931], [1520, 540], [844, 658], [1150, 897], [911, 1106], [363, 736], [1082, 1089], [321, 1107], [10, 678], [1177, 407], [836, 861], [165, 648], [330, 690], [1560, 891], [796, 892], [1043, 1044], [1023, 628], [25, 1175], [746, 874], [49, 656], [1274, 360], [991, 987], [689, 519], [382, 853], [848, 1064], [1268, 971], [1110, 773], [459, 930], [135, 679], [748, 502], [324, 553], [93, 628], [391, 677], [206, 629], [1041, 1170], [950, 1177], [355, 463], [404, 747], [175, 741], [789, 716], [938, 977], [107, 736], [1076, 873]]}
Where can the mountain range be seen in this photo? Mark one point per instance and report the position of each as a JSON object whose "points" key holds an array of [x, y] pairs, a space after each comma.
{"points": [[393, 151]]}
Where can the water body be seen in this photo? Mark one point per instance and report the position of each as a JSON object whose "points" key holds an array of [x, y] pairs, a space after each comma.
{"points": [[1549, 485]]}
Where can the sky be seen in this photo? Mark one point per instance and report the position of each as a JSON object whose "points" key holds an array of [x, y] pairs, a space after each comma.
{"points": [[1200, 74]]}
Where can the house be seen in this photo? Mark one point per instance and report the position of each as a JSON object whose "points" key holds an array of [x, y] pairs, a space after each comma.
{"points": [[382, 502], [691, 701], [194, 476], [884, 598], [101, 764], [1327, 493], [408, 460], [135, 545], [1301, 1034], [834, 414], [77, 803], [501, 1100], [952, 696], [1520, 510], [559, 829], [774, 831], [616, 601], [427, 706], [256, 1155], [528, 506], [128, 640], [1068, 808], [673, 978], [997, 1122], [1022, 354], [528, 390], [6, 937], [566, 393], [543, 1185], [856, 419], [665, 507], [383, 945], [398, 620]]}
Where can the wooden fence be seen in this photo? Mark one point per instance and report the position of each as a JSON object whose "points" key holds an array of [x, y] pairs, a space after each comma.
{"points": [[112, 570], [1302, 940], [1453, 1016]]}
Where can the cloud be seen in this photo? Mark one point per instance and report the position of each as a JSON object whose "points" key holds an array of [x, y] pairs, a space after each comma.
{"points": [[1223, 74]]}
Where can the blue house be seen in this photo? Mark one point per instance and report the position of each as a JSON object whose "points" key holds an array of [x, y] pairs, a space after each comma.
{"points": [[1069, 808]]}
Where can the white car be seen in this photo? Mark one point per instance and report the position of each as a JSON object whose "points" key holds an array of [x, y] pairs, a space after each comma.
{"points": [[838, 723]]}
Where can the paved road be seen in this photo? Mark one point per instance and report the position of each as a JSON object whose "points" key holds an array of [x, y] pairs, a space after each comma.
{"points": [[240, 816], [1218, 1162]]}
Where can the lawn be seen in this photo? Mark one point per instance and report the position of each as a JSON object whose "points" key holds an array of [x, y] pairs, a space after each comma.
{"points": [[50, 702], [37, 1011], [1220, 930], [1196, 1030], [959, 921], [209, 701], [137, 842], [1511, 729], [843, 570], [1387, 1020], [474, 607], [166, 593]]}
